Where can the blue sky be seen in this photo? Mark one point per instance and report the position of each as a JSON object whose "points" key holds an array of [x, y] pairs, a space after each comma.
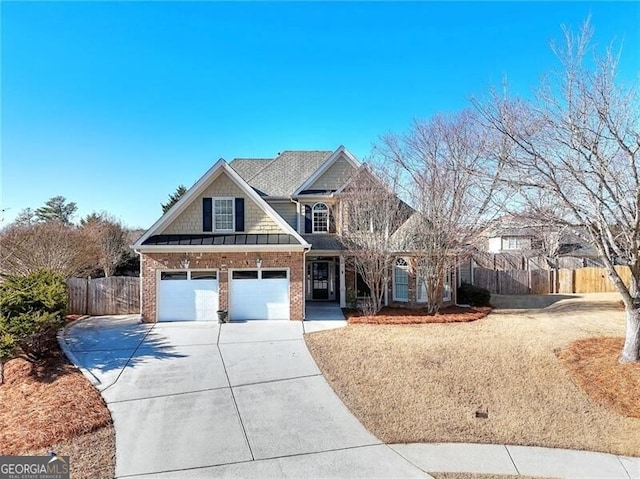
{"points": [[114, 104]]}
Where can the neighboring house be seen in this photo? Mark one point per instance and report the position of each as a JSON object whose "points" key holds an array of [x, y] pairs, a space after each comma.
{"points": [[538, 244], [511, 239], [258, 237]]}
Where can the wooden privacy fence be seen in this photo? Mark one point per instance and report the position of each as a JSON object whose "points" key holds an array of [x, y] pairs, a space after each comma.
{"points": [[540, 281], [102, 296], [514, 281], [590, 280]]}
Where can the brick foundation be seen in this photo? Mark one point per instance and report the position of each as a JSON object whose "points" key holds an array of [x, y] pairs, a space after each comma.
{"points": [[151, 263]]}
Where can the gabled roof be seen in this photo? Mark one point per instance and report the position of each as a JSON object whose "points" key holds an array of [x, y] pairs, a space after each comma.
{"points": [[280, 177], [220, 167], [340, 152]]}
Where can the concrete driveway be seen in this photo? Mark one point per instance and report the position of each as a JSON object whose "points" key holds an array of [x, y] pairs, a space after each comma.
{"points": [[239, 400]]}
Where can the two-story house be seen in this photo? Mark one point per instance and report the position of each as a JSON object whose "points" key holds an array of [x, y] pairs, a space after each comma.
{"points": [[257, 237]]}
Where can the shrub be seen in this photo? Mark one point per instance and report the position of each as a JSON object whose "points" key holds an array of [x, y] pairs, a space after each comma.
{"points": [[31, 308], [473, 295]]}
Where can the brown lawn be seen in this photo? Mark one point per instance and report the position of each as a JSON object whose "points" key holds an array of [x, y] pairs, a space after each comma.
{"points": [[427, 382], [51, 404], [92, 455], [469, 475], [389, 315]]}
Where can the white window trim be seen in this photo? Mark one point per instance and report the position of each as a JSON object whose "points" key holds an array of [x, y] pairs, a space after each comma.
{"points": [[446, 293], [516, 240], [406, 269], [259, 270], [418, 300], [313, 217], [188, 271], [233, 214]]}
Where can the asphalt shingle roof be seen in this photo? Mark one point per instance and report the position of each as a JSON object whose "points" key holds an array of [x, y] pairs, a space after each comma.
{"points": [[247, 168], [324, 242], [281, 176]]}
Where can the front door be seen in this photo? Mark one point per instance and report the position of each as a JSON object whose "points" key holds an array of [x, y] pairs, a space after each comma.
{"points": [[320, 280]]}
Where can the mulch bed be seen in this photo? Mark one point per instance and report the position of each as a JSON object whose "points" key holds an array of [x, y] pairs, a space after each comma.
{"points": [[390, 315], [593, 364], [46, 402]]}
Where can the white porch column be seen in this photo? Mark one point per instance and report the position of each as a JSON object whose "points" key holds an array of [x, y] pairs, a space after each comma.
{"points": [[343, 284]]}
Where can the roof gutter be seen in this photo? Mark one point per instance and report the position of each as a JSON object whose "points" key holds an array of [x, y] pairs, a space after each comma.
{"points": [[218, 249]]}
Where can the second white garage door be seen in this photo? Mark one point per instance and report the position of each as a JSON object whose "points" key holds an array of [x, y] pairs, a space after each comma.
{"points": [[258, 294]]}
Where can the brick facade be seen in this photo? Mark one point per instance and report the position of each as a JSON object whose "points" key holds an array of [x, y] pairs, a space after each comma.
{"points": [[151, 263]]}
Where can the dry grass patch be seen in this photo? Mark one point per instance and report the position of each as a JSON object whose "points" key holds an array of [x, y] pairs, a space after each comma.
{"points": [[92, 455], [389, 315], [425, 383], [471, 475], [594, 365], [45, 403]]}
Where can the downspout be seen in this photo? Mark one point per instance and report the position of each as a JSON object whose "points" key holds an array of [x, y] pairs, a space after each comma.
{"points": [[297, 203], [304, 283], [137, 251]]}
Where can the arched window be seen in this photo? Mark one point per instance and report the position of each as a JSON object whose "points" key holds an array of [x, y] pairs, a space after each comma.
{"points": [[320, 218], [401, 280]]}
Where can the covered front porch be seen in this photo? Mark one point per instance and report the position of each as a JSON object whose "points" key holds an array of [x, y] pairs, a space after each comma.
{"points": [[325, 279]]}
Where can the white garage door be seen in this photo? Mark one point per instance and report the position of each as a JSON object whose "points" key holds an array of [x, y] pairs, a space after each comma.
{"points": [[259, 294], [188, 296]]}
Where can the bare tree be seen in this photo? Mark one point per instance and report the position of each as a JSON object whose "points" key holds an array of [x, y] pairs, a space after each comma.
{"points": [[370, 213], [577, 142], [449, 176], [50, 245], [108, 238]]}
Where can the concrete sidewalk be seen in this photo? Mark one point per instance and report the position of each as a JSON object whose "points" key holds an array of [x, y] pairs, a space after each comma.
{"points": [[192, 400]]}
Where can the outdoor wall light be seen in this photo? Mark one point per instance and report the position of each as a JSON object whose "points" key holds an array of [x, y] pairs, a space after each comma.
{"points": [[184, 262], [259, 262]]}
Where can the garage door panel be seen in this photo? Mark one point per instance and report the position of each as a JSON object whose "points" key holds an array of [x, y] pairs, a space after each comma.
{"points": [[258, 298], [276, 294], [206, 300], [187, 300]]}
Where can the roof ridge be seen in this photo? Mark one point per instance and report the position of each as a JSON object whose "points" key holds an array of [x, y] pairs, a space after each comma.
{"points": [[261, 169]]}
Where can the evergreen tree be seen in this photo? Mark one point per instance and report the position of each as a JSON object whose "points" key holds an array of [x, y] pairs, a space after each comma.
{"points": [[57, 209], [173, 198]]}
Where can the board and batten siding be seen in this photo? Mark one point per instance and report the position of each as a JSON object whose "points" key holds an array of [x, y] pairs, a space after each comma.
{"points": [[256, 221], [287, 210]]}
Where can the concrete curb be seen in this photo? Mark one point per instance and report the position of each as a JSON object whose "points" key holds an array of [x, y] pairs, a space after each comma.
{"points": [[73, 359], [476, 458]]}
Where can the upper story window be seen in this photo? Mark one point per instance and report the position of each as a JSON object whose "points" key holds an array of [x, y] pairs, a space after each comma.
{"points": [[223, 214], [320, 213], [401, 280], [512, 242]]}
